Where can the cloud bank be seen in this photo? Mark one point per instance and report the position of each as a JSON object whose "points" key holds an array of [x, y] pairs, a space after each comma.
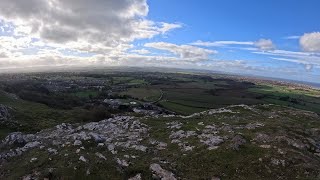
{"points": [[310, 42], [104, 27], [262, 44], [185, 52]]}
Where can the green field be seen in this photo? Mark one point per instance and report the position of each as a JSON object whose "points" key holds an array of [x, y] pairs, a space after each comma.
{"points": [[136, 82], [180, 108], [86, 94], [128, 81], [205, 100], [145, 94], [196, 96], [282, 95]]}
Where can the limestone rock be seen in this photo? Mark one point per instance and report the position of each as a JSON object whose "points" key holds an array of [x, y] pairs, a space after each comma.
{"points": [[101, 156], [4, 113], [211, 140], [122, 163], [15, 138], [237, 141], [33, 159], [77, 143], [82, 159], [136, 177], [52, 151], [161, 173]]}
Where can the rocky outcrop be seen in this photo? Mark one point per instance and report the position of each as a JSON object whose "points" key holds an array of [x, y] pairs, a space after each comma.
{"points": [[179, 137], [122, 162], [122, 131], [4, 113], [136, 177], [262, 138], [101, 156], [18, 138], [237, 141], [160, 173], [125, 143], [211, 141]]}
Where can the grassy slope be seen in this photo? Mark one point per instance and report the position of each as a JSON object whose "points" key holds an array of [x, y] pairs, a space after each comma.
{"points": [[197, 164], [35, 116], [243, 164]]}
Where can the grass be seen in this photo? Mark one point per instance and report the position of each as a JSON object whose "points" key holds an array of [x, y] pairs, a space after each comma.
{"points": [[195, 94], [227, 163], [86, 94], [195, 101], [137, 82], [199, 85], [306, 100], [179, 108], [221, 161], [145, 94], [68, 167], [4, 131], [128, 81], [33, 117]]}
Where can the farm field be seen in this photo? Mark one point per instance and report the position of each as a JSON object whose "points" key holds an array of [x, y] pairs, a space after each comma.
{"points": [[146, 94], [86, 94], [194, 94]]}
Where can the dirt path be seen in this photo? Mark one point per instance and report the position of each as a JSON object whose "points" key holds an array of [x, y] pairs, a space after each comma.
{"points": [[160, 98]]}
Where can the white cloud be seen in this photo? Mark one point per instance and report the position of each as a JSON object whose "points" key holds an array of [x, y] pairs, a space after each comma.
{"points": [[310, 42], [264, 44], [292, 37], [308, 59], [168, 26], [221, 43], [141, 51], [3, 54], [186, 52], [308, 67], [98, 26]]}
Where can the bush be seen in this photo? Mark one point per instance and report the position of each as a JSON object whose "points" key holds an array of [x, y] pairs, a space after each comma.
{"points": [[59, 101], [96, 113], [284, 98]]}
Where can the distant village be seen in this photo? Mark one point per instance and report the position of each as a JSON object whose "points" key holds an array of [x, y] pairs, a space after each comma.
{"points": [[109, 91]]}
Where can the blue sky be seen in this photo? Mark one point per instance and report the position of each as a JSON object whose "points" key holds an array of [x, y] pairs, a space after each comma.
{"points": [[283, 22], [263, 38], [238, 20]]}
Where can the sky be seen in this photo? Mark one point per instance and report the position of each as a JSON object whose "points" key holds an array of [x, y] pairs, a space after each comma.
{"points": [[278, 39]]}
